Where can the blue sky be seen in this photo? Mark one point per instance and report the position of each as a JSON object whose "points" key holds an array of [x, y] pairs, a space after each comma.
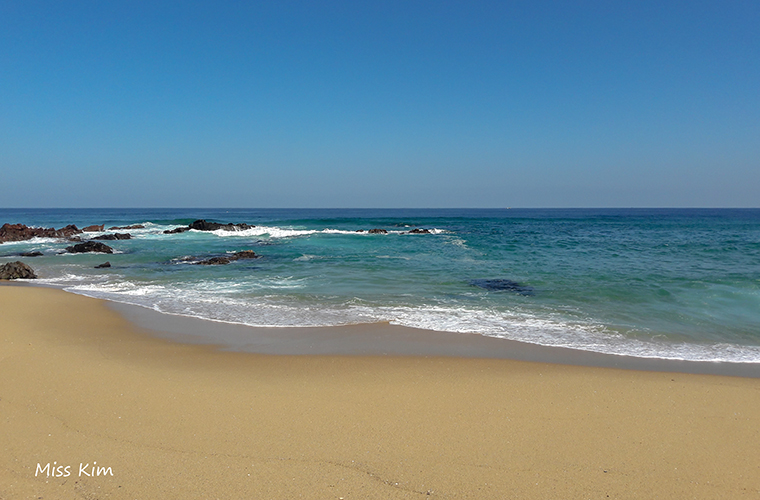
{"points": [[394, 104]]}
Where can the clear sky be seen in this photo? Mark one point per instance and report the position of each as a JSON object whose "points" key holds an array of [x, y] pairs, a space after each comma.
{"points": [[379, 104]]}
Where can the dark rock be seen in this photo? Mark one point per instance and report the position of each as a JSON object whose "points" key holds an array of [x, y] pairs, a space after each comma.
{"points": [[135, 226], [103, 265], [214, 261], [114, 236], [503, 285], [67, 232], [419, 231], [16, 270], [245, 254], [90, 246], [377, 231], [203, 225], [93, 228], [20, 232], [360, 230], [30, 254]]}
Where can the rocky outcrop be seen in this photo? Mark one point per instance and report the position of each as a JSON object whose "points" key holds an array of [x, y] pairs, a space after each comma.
{"points": [[20, 232], [114, 236], [245, 254], [203, 225], [93, 229], [90, 246], [103, 265], [226, 259], [419, 231], [214, 261], [30, 254], [377, 231], [16, 270], [135, 226]]}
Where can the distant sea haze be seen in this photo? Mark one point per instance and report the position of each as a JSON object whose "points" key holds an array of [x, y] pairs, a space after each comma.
{"points": [[667, 283]]}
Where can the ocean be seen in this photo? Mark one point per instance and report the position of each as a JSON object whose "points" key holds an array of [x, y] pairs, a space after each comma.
{"points": [[655, 283]]}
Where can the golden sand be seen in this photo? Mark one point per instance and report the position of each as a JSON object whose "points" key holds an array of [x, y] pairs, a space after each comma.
{"points": [[79, 385]]}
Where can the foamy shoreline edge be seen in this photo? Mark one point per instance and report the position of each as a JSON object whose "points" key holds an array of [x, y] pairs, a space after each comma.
{"points": [[382, 339]]}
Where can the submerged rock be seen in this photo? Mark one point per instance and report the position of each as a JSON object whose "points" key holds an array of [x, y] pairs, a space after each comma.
{"points": [[419, 231], [135, 226], [114, 236], [503, 285], [177, 230], [245, 254], [215, 261], [377, 231], [20, 232], [16, 270], [30, 254], [103, 265], [90, 246]]}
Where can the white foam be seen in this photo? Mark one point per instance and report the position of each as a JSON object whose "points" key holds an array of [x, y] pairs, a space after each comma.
{"points": [[34, 241], [555, 332], [67, 278], [305, 258], [271, 232], [459, 242], [284, 232]]}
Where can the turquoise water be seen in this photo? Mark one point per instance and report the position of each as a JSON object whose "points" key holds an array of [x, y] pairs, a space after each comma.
{"points": [[678, 284]]}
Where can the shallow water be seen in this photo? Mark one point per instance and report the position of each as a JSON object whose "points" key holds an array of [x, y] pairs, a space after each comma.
{"points": [[676, 284]]}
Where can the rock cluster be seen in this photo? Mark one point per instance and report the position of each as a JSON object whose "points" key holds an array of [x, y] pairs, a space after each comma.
{"points": [[20, 232], [114, 236], [204, 225], [16, 270], [215, 261], [90, 246]]}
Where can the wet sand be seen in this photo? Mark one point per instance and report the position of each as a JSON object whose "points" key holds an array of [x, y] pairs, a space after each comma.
{"points": [[80, 384], [386, 339]]}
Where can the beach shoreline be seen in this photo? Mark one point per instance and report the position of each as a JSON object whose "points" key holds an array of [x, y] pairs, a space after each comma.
{"points": [[82, 384], [384, 339]]}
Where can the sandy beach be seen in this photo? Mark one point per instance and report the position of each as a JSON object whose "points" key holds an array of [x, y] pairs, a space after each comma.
{"points": [[114, 411]]}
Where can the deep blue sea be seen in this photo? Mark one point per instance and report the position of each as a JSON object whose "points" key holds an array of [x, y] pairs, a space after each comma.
{"points": [[662, 283]]}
